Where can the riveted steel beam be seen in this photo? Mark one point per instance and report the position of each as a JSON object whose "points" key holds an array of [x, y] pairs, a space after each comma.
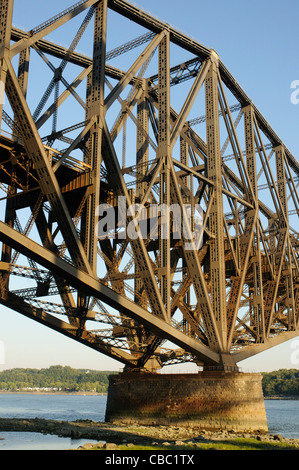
{"points": [[239, 288], [48, 183], [50, 26], [88, 339], [91, 286], [214, 172]]}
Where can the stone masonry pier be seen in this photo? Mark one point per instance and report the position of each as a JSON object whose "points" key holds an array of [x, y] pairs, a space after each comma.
{"points": [[209, 400]]}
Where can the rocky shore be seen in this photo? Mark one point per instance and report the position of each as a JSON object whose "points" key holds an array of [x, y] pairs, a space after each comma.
{"points": [[112, 436]]}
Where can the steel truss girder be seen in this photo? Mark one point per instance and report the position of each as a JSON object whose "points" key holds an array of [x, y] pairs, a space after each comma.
{"points": [[251, 267], [153, 24], [92, 286], [36, 153], [20, 305]]}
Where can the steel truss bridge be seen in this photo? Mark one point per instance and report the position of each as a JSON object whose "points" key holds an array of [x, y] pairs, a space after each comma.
{"points": [[166, 125]]}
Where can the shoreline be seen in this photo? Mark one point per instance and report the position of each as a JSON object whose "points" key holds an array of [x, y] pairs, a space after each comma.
{"points": [[49, 392], [64, 392], [281, 398], [122, 436]]}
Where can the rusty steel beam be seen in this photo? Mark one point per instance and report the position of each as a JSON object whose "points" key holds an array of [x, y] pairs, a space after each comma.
{"points": [[217, 273], [95, 287]]}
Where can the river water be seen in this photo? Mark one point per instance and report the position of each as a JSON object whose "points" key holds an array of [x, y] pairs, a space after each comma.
{"points": [[282, 415]]}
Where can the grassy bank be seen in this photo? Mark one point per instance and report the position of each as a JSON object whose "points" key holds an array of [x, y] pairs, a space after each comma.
{"points": [[222, 445]]}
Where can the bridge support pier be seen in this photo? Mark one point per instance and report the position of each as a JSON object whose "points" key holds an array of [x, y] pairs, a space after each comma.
{"points": [[210, 400]]}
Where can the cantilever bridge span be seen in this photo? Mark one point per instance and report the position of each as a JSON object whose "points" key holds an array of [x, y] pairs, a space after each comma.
{"points": [[92, 148]]}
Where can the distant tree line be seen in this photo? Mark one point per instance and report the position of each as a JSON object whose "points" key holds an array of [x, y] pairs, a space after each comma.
{"points": [[62, 378], [281, 383]]}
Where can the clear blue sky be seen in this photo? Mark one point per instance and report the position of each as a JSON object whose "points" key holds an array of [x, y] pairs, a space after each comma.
{"points": [[258, 42]]}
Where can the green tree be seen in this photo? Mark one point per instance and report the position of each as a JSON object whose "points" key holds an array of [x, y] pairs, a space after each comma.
{"points": [[57, 376]]}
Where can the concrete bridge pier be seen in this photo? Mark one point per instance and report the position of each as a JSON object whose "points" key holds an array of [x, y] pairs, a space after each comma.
{"points": [[210, 400]]}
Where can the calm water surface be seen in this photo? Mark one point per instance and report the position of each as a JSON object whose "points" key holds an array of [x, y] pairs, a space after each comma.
{"points": [[57, 407], [282, 415]]}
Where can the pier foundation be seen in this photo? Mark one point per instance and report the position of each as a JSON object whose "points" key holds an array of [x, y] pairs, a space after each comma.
{"points": [[208, 400]]}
